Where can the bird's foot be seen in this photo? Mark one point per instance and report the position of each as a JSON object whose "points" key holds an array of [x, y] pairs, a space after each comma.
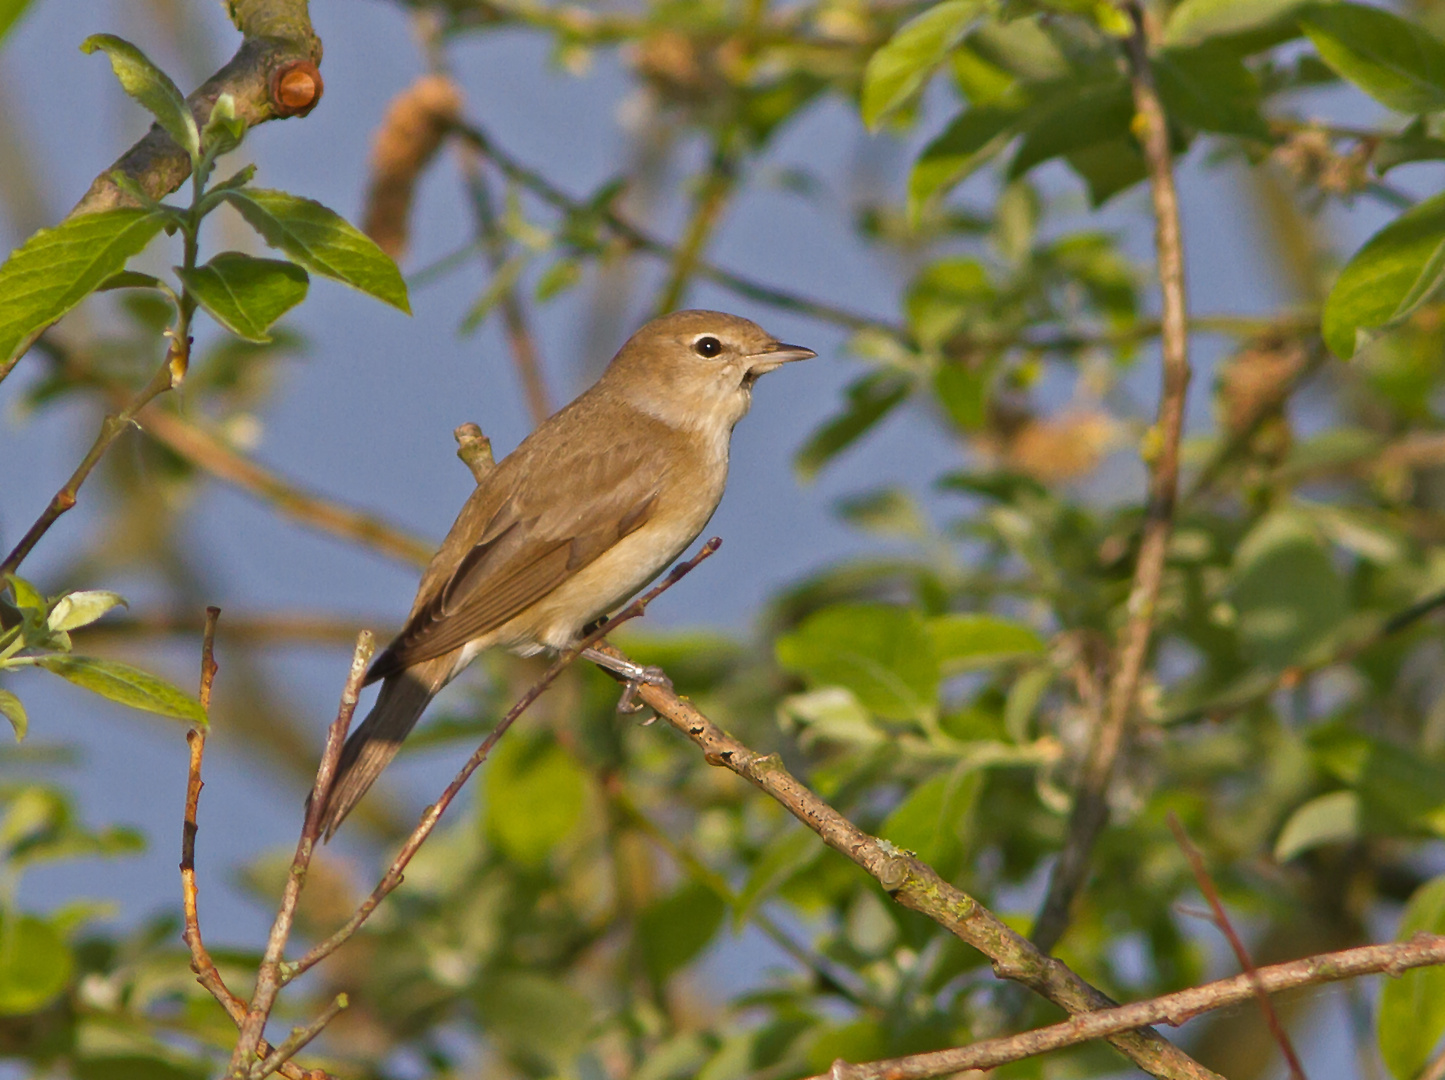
{"points": [[632, 676]]}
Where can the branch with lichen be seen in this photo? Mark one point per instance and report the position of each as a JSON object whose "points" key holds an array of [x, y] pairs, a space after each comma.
{"points": [[915, 885]]}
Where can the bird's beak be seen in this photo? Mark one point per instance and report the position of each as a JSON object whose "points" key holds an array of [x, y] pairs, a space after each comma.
{"points": [[776, 355]]}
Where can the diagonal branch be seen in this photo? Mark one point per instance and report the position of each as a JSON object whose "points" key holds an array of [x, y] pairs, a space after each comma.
{"points": [[1162, 453], [915, 885], [1241, 954], [1422, 950]]}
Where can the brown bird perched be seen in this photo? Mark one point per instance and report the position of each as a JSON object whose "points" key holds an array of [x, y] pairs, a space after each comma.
{"points": [[591, 506]]}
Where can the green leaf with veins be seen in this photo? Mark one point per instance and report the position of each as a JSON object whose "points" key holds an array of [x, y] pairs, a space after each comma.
{"points": [[246, 294], [322, 241], [127, 685], [58, 268]]}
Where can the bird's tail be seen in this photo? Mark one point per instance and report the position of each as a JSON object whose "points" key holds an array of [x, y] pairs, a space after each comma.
{"points": [[371, 746]]}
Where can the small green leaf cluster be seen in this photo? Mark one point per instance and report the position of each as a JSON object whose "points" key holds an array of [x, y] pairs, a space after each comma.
{"points": [[38, 635]]}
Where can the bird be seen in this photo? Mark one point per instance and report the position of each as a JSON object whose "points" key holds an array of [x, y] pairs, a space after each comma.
{"points": [[586, 511]]}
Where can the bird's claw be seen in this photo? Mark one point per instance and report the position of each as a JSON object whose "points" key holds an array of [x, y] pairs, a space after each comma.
{"points": [[635, 679]]}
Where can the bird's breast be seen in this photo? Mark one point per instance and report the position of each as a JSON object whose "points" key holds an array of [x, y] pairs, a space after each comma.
{"points": [[627, 566]]}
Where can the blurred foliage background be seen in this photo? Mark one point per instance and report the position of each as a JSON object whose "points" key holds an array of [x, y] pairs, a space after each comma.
{"points": [[610, 905]]}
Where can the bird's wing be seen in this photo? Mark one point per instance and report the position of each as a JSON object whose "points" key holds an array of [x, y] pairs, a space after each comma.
{"points": [[572, 508]]}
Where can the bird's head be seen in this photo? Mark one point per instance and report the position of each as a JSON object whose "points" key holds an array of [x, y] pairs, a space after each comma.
{"points": [[696, 369]]}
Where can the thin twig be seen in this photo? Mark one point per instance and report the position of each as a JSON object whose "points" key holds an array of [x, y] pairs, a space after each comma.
{"points": [[273, 628], [916, 885], [1108, 734], [520, 340], [201, 963], [289, 499], [110, 430], [1422, 950], [269, 979], [297, 1040], [1241, 954], [394, 873]]}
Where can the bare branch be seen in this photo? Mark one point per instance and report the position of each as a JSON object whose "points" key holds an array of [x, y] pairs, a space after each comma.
{"points": [[1162, 453], [1241, 954], [201, 963], [269, 979], [111, 429], [1422, 950], [297, 1040]]}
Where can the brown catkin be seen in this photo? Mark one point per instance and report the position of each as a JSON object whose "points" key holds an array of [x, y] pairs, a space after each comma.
{"points": [[410, 134]]}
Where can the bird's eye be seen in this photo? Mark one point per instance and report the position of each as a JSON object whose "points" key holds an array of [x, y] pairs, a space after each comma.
{"points": [[707, 346]]}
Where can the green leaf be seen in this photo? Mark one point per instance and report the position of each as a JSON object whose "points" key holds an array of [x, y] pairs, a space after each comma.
{"points": [[1328, 819], [946, 295], [57, 268], [962, 642], [224, 130], [1412, 1006], [27, 597], [322, 241], [1399, 269], [535, 794], [1209, 88], [1401, 792], [1109, 167], [12, 710], [870, 399], [1071, 117], [963, 392], [127, 685], [81, 608], [246, 294], [35, 964], [972, 138], [534, 1015], [1396, 62], [897, 70], [1287, 594], [1194, 21], [150, 86], [557, 279], [883, 654], [10, 12], [671, 932]]}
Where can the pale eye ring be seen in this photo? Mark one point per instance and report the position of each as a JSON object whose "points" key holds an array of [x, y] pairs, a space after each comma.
{"points": [[707, 345]]}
